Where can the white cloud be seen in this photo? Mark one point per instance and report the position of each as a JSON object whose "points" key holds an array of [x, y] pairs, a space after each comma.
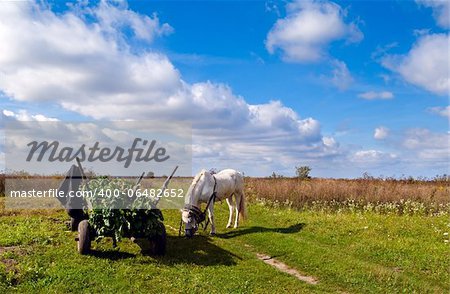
{"points": [[381, 133], [420, 138], [441, 11], [382, 50], [373, 157], [45, 56], [418, 152], [329, 142], [341, 76], [275, 115], [23, 115], [421, 32], [372, 95], [307, 29], [442, 111], [427, 145], [426, 64], [88, 67], [114, 16]]}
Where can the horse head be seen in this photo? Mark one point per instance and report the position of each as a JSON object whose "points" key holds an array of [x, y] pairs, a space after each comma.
{"points": [[191, 214]]}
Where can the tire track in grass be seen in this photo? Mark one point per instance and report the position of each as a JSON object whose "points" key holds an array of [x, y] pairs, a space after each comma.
{"points": [[286, 269], [351, 260], [281, 266]]}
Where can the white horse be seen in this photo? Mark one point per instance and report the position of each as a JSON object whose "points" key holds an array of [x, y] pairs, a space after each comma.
{"points": [[225, 184]]}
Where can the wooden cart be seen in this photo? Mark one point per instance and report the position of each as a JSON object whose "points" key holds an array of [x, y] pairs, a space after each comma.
{"points": [[155, 245]]}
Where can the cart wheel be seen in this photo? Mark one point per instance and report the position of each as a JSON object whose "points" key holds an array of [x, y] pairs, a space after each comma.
{"points": [[160, 243], [84, 239], [74, 224]]}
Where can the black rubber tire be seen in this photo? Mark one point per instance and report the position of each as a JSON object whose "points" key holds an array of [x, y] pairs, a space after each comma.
{"points": [[74, 224], [160, 243], [84, 237]]}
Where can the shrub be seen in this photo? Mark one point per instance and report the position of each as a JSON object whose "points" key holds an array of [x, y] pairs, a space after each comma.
{"points": [[302, 172]]}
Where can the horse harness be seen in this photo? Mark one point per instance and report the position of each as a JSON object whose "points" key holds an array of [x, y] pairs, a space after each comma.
{"points": [[196, 212]]}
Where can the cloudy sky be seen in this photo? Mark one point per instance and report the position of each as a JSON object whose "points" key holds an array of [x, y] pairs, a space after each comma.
{"points": [[345, 87]]}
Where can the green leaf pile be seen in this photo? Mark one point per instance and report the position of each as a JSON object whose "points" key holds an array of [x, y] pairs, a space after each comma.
{"points": [[141, 220]]}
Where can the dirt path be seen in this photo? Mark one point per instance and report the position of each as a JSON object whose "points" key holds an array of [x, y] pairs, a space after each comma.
{"points": [[281, 266]]}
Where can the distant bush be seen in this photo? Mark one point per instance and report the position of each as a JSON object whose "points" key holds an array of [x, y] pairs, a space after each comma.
{"points": [[302, 172], [276, 176]]}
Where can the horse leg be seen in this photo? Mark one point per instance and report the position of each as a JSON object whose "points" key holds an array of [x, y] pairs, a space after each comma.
{"points": [[237, 198], [231, 208], [211, 218]]}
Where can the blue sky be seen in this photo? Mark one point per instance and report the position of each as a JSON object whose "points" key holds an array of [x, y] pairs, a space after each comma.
{"points": [[344, 87]]}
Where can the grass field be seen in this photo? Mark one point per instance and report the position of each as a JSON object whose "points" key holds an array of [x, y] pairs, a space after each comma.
{"points": [[401, 196], [347, 252]]}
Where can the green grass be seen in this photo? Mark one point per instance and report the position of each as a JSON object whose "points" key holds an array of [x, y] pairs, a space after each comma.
{"points": [[346, 252]]}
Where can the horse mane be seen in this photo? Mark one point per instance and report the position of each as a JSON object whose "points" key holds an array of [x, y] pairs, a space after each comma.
{"points": [[195, 181], [198, 176]]}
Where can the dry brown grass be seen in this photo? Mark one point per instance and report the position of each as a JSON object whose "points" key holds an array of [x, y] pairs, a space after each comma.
{"points": [[306, 193], [427, 196]]}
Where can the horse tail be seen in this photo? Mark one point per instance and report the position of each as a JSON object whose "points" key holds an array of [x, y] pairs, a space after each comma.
{"points": [[242, 207]]}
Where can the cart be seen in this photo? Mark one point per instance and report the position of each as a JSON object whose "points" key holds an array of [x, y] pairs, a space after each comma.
{"points": [[155, 245]]}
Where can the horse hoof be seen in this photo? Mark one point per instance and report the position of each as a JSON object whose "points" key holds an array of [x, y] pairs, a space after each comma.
{"points": [[212, 233], [228, 226]]}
